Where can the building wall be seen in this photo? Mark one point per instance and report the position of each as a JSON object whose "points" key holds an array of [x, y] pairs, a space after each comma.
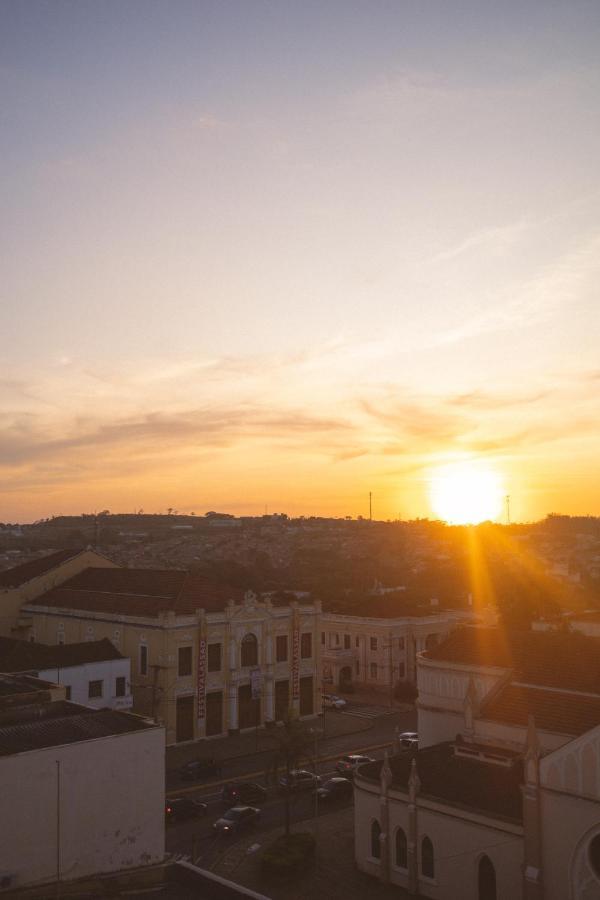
{"points": [[78, 679], [459, 840], [398, 641], [12, 600], [156, 692], [111, 808]]}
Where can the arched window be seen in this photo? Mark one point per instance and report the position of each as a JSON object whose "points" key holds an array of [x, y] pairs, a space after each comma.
{"points": [[401, 849], [249, 650], [594, 854], [427, 862], [486, 879], [375, 835]]}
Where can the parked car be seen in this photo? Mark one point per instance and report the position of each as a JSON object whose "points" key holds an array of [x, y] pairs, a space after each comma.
{"points": [[236, 819], [331, 701], [336, 789], [183, 808], [243, 792], [300, 780], [408, 740], [349, 764], [198, 769]]}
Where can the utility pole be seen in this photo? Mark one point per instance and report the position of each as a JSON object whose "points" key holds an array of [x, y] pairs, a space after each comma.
{"points": [[507, 499], [370, 506], [58, 829]]}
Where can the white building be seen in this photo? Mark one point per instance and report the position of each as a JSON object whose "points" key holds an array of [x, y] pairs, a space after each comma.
{"points": [[94, 673], [502, 800], [82, 789], [380, 649]]}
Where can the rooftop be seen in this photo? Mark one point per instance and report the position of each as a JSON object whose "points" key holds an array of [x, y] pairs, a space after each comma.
{"points": [[570, 661], [19, 575], [139, 592], [12, 686], [459, 781], [22, 656], [556, 711], [50, 724]]}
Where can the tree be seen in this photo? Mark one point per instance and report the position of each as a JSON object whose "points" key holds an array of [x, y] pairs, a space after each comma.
{"points": [[293, 744]]}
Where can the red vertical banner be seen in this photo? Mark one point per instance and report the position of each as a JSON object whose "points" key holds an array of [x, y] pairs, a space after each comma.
{"points": [[202, 677], [295, 659]]}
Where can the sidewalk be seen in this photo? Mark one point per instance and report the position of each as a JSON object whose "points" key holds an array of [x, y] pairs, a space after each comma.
{"points": [[333, 875], [331, 725]]}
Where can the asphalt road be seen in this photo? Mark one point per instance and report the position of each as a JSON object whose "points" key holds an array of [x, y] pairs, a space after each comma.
{"points": [[196, 838], [255, 764]]}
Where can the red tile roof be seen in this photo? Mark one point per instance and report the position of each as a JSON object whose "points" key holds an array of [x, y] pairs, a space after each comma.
{"points": [[556, 711], [556, 659], [139, 592], [18, 575]]}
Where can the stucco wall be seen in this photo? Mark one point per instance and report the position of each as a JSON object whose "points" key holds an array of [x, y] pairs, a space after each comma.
{"points": [[459, 841], [111, 807], [79, 677]]}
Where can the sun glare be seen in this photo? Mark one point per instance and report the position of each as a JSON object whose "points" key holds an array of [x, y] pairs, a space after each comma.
{"points": [[466, 493]]}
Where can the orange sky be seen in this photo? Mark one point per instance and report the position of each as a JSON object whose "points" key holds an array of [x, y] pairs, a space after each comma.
{"points": [[284, 255]]}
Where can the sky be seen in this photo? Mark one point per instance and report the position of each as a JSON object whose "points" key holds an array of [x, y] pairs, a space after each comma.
{"points": [[278, 254]]}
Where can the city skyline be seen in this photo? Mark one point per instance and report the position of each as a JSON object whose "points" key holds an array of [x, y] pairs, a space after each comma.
{"points": [[290, 254]]}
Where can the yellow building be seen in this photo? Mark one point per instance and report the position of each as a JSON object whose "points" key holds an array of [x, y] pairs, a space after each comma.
{"points": [[32, 579], [205, 660]]}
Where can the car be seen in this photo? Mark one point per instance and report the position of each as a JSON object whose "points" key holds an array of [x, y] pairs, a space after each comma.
{"points": [[198, 769], [348, 765], [300, 780], [236, 819], [408, 740], [331, 701], [243, 792], [336, 789], [179, 808]]}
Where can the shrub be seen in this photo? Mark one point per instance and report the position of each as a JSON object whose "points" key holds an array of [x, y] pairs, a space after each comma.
{"points": [[288, 855]]}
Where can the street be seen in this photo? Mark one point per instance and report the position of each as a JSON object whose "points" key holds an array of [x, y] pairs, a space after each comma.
{"points": [[196, 840]]}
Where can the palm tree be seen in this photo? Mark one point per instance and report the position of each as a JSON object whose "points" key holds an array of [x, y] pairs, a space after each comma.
{"points": [[293, 744]]}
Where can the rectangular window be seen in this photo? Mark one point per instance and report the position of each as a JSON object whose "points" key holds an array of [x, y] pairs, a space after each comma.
{"points": [[401, 670], [357, 667], [61, 637], [373, 670], [322, 637], [337, 640], [306, 696], [347, 643], [401, 643], [214, 658], [67, 692], [120, 686], [281, 648], [184, 661], [357, 642], [143, 659], [373, 643], [94, 689], [306, 645]]}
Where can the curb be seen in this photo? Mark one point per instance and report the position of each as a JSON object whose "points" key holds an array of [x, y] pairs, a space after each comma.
{"points": [[250, 775], [269, 749]]}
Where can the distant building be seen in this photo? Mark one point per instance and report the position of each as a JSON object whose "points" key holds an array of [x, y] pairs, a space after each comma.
{"points": [[206, 660], [82, 789], [93, 673], [502, 799]]}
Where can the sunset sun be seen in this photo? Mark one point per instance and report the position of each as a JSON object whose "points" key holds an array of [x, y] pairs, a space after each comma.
{"points": [[466, 493]]}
